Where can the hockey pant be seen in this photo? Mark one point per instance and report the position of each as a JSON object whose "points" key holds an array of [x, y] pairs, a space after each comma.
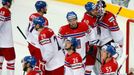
{"points": [[9, 55]]}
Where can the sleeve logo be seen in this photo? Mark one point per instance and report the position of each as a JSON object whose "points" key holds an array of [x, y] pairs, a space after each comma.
{"points": [[45, 41]]}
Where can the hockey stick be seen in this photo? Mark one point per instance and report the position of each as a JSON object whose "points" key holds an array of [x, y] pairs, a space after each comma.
{"points": [[90, 53], [118, 11], [121, 65], [21, 32]]}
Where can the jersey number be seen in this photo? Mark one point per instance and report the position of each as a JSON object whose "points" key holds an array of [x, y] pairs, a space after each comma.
{"points": [[75, 60], [108, 69]]}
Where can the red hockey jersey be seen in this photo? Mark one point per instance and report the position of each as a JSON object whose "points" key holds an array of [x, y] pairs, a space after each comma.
{"points": [[73, 64], [109, 67], [83, 34]]}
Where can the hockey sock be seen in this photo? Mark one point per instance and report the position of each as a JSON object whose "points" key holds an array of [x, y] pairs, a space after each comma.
{"points": [[10, 67], [1, 63]]}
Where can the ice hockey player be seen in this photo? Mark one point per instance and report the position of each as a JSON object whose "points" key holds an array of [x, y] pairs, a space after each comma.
{"points": [[29, 66], [90, 16], [7, 51], [73, 60], [105, 23], [32, 34], [109, 64], [53, 56], [83, 33]]}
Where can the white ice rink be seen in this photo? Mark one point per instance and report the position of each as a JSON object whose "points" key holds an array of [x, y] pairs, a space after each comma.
{"points": [[21, 9]]}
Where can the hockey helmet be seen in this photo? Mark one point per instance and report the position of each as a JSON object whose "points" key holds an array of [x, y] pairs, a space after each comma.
{"points": [[73, 41], [40, 4], [71, 15], [31, 60], [110, 49], [90, 6], [4, 2], [101, 3], [40, 21]]}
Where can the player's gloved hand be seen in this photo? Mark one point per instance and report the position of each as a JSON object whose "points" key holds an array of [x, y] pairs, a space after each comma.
{"points": [[42, 65], [119, 51]]}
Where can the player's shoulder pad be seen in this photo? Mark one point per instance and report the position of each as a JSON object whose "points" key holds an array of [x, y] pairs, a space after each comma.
{"points": [[63, 29], [5, 12], [110, 16], [78, 55], [83, 26], [47, 33], [88, 15], [34, 15], [45, 36]]}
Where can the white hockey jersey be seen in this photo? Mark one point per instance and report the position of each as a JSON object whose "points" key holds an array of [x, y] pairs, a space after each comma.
{"points": [[32, 34], [6, 36], [50, 50]]}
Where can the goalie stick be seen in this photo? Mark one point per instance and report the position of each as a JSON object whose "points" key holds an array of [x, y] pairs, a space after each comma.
{"points": [[118, 11], [121, 65]]}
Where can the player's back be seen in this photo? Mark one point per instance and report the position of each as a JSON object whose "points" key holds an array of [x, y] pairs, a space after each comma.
{"points": [[53, 55], [32, 34], [6, 37]]}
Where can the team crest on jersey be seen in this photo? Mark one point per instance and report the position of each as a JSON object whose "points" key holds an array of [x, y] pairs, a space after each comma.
{"points": [[45, 41]]}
